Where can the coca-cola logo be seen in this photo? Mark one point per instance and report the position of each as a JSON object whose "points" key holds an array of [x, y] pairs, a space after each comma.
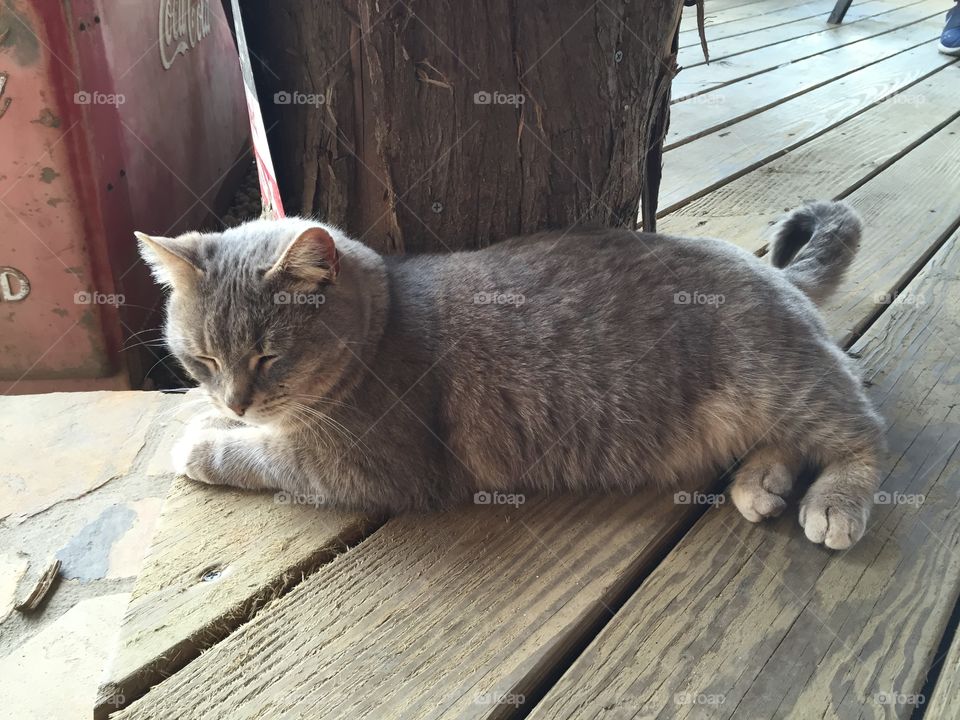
{"points": [[183, 24]]}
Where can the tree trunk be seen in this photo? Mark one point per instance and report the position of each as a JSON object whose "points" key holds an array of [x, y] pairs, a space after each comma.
{"points": [[429, 126]]}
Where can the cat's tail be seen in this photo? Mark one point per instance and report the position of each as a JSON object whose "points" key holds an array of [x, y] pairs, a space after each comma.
{"points": [[815, 245]]}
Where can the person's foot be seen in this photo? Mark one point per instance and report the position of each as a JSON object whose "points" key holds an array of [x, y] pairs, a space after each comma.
{"points": [[950, 38]]}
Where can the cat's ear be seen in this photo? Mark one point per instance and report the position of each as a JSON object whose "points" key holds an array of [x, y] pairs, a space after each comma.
{"points": [[311, 257], [173, 261]]}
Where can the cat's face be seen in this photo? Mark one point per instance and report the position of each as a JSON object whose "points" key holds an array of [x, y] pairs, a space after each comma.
{"points": [[263, 316]]}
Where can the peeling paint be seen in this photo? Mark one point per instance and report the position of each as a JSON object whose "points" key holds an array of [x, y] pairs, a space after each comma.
{"points": [[17, 34], [47, 118], [88, 321]]}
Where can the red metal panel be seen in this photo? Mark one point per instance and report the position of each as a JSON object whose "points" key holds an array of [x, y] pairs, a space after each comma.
{"points": [[118, 116]]}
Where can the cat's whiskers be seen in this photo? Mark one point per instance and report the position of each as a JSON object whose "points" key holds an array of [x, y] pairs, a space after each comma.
{"points": [[313, 430], [303, 427], [324, 400], [145, 330], [330, 423]]}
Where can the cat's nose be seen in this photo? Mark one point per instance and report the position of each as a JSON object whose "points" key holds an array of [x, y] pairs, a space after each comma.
{"points": [[238, 406]]}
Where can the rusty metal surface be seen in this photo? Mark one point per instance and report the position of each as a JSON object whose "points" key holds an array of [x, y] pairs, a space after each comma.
{"points": [[113, 117]]}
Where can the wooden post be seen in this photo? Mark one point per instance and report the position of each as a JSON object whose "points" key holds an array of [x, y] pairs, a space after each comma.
{"points": [[427, 126]]}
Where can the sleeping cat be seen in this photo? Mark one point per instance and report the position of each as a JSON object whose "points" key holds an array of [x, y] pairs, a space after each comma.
{"points": [[586, 361]]}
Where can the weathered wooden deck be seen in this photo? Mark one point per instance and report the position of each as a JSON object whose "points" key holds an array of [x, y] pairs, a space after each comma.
{"points": [[614, 608]]}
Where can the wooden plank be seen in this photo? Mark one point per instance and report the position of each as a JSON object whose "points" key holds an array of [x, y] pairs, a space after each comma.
{"points": [[706, 78], [901, 194], [753, 621], [832, 164], [218, 555], [697, 167], [430, 616], [943, 701], [726, 105], [718, 5], [690, 55], [756, 22], [773, 11]]}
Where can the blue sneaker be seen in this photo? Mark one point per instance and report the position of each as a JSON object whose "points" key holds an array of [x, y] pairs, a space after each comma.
{"points": [[950, 38]]}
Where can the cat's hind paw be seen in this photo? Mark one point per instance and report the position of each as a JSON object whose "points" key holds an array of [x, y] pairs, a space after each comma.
{"points": [[837, 522], [760, 491]]}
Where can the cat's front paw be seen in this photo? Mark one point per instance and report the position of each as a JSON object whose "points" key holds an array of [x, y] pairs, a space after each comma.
{"points": [[193, 452]]}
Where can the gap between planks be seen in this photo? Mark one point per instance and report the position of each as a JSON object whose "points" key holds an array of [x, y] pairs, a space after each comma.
{"points": [[721, 49], [767, 23], [687, 178], [700, 80], [721, 107]]}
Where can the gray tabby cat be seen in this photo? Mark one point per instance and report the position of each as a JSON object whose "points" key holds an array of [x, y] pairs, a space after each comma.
{"points": [[585, 361]]}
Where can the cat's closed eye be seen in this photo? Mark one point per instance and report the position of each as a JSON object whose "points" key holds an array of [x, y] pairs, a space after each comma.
{"points": [[262, 363], [211, 363]]}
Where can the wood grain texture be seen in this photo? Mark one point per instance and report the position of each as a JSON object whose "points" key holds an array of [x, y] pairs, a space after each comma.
{"points": [[731, 103], [429, 617], [218, 555], [829, 166], [690, 56], [778, 58], [697, 167], [754, 621], [452, 130]]}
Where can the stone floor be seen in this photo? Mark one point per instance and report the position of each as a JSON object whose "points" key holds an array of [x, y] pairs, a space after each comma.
{"points": [[90, 495]]}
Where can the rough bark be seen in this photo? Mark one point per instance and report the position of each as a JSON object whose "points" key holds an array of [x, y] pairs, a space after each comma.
{"points": [[403, 151]]}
